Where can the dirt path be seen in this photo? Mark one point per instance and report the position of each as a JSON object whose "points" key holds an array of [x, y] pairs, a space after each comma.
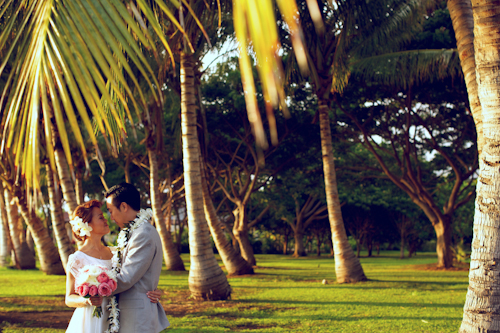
{"points": [[175, 306], [49, 319]]}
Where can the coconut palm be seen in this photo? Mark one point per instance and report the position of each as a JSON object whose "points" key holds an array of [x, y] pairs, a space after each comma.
{"points": [[463, 25], [57, 217], [4, 232], [66, 57], [353, 34], [64, 175], [50, 262], [172, 258], [480, 310], [24, 258], [206, 278]]}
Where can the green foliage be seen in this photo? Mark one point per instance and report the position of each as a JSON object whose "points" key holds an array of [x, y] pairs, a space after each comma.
{"points": [[437, 32]]}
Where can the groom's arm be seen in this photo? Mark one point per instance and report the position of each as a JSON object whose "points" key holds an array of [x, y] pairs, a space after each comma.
{"points": [[138, 260]]}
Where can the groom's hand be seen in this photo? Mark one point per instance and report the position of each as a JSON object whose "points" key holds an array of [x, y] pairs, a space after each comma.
{"points": [[155, 295], [95, 300]]}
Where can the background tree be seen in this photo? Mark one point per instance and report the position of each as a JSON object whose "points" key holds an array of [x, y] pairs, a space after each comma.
{"points": [[233, 158], [402, 132]]}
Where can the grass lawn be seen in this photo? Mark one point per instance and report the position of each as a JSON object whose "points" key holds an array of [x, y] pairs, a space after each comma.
{"points": [[285, 295]]}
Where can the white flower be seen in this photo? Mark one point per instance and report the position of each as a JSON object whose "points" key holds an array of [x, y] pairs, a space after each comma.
{"points": [[80, 227], [144, 216]]}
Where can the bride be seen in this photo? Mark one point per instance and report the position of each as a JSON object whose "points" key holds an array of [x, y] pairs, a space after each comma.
{"points": [[93, 252]]}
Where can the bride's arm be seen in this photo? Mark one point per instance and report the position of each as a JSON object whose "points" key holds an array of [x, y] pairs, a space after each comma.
{"points": [[73, 300]]}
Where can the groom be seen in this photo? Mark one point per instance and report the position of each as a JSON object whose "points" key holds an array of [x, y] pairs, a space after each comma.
{"points": [[141, 261]]}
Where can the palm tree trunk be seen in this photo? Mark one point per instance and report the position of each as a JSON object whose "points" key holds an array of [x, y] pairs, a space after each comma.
{"points": [[233, 261], [173, 260], [206, 279], [30, 241], [79, 188], [347, 266], [56, 215], [50, 262], [68, 188], [463, 25], [23, 256], [4, 232], [481, 311]]}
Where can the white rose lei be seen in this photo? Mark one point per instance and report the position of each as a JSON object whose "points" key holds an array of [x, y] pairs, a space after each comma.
{"points": [[123, 237]]}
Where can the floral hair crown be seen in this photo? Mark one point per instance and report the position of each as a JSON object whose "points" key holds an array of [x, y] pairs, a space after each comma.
{"points": [[79, 227]]}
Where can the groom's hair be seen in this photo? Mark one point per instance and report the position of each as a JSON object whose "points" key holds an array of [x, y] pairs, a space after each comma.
{"points": [[127, 193]]}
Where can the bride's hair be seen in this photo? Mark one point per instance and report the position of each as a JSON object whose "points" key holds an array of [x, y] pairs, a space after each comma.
{"points": [[84, 211]]}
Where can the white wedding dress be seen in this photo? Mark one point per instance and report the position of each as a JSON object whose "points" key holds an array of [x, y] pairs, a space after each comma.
{"points": [[82, 320]]}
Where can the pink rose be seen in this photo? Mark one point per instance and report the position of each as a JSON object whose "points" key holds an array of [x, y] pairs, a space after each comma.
{"points": [[103, 277], [83, 289], [112, 284], [93, 290], [79, 290], [105, 290]]}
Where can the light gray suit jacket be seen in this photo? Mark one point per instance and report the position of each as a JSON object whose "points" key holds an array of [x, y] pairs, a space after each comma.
{"points": [[142, 259]]}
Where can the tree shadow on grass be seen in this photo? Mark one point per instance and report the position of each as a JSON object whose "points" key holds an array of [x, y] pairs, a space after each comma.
{"points": [[423, 286], [381, 304], [379, 317], [270, 313], [444, 283]]}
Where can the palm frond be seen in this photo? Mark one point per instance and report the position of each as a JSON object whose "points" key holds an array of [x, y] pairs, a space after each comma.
{"points": [[255, 20], [404, 69], [69, 58], [391, 24]]}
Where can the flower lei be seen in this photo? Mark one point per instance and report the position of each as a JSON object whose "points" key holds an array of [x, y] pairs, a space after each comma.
{"points": [[78, 226], [123, 237]]}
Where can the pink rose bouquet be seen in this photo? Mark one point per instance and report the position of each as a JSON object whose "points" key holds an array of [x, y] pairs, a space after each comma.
{"points": [[96, 281]]}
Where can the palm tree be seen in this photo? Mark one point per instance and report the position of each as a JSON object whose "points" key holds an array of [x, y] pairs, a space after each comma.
{"points": [[325, 48], [481, 313], [67, 185], [24, 258], [463, 25], [206, 278], [172, 258], [69, 57], [4, 231], [58, 224], [347, 266], [50, 262]]}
